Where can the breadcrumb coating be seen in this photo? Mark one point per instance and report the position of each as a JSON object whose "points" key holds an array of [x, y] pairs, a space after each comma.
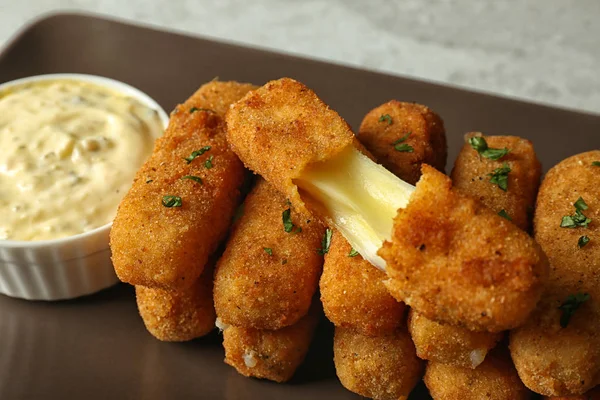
{"points": [[455, 261], [267, 277], [160, 247], [553, 360], [379, 367], [270, 354], [471, 174], [421, 129]]}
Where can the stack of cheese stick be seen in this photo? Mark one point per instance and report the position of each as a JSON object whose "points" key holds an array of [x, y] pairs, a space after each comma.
{"points": [[264, 286], [373, 353], [176, 213], [459, 364]]}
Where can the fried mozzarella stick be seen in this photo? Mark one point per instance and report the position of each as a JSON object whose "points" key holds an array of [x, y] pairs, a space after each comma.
{"points": [[508, 184], [352, 290], [270, 354], [178, 315], [495, 379], [557, 352], [447, 255], [378, 367], [403, 136], [180, 204], [270, 269]]}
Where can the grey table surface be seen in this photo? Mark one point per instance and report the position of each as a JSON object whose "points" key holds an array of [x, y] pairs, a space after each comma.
{"points": [[543, 51]]}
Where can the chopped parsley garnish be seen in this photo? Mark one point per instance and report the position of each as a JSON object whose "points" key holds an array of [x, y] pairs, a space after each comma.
{"points": [[504, 214], [208, 163], [583, 241], [268, 250], [353, 253], [570, 305], [480, 145], [326, 242], [194, 109], [399, 144], [500, 176], [149, 180], [386, 118], [192, 178], [171, 201], [596, 163], [288, 225], [196, 153], [577, 219]]}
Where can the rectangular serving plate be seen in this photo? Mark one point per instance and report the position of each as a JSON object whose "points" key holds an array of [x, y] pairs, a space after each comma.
{"points": [[97, 347]]}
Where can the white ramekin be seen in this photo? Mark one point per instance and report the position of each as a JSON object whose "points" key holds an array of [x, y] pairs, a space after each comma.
{"points": [[68, 267]]}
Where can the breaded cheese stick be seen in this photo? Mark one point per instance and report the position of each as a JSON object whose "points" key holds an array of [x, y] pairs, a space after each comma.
{"points": [[403, 136], [378, 367], [270, 354], [514, 191], [509, 183], [495, 379], [491, 271], [557, 352], [178, 315], [353, 293], [180, 204], [449, 344], [270, 269]]}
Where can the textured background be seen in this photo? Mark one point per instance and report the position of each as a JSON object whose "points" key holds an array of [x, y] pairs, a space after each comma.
{"points": [[545, 51]]}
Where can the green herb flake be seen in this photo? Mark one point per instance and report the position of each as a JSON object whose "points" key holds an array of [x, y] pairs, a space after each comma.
{"points": [[504, 214], [149, 181], [196, 153], [578, 219], [400, 146], [284, 261], [193, 178], [480, 145], [268, 250], [286, 217], [353, 253], [596, 163], [583, 241], [171, 201], [326, 242], [570, 305], [208, 163], [386, 118], [500, 176]]}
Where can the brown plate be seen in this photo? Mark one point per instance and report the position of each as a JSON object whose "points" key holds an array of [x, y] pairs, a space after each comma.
{"points": [[96, 347]]}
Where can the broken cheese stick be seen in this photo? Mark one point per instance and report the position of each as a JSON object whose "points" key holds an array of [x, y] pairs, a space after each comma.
{"points": [[285, 133]]}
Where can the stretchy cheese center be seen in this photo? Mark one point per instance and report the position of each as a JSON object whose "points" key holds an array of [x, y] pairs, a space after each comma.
{"points": [[360, 197]]}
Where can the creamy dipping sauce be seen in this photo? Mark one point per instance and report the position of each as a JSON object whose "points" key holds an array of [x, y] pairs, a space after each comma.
{"points": [[69, 150]]}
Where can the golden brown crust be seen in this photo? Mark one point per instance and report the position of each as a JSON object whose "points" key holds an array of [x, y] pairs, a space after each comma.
{"points": [[218, 96], [495, 379], [427, 138], [378, 367], [166, 248], [455, 261], [178, 315], [449, 344], [353, 293], [270, 354], [471, 175], [258, 290], [280, 129], [551, 360]]}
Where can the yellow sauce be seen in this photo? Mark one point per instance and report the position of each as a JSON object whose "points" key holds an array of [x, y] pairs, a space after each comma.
{"points": [[68, 153]]}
